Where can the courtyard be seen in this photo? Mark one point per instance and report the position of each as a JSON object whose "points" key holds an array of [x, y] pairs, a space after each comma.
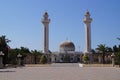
{"points": [[59, 71]]}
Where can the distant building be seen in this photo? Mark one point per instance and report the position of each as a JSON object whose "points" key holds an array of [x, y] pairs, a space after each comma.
{"points": [[67, 53]]}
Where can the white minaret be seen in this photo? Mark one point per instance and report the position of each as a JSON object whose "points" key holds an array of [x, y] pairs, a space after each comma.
{"points": [[87, 20], [46, 22]]}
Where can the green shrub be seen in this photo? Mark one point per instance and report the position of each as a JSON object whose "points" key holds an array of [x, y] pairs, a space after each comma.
{"points": [[43, 59], [117, 58], [85, 58]]}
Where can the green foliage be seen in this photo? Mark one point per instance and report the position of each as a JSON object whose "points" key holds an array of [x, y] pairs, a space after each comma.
{"points": [[109, 49], [92, 50], [43, 59], [103, 49], [12, 56], [118, 38], [115, 48], [117, 58], [24, 50], [85, 58], [4, 48], [36, 53]]}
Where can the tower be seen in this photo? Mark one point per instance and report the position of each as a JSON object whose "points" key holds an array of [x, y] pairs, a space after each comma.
{"points": [[87, 20], [46, 22]]}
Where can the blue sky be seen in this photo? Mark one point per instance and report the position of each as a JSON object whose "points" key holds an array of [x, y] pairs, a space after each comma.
{"points": [[20, 21]]}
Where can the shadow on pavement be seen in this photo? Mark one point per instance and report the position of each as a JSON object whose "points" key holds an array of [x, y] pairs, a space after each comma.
{"points": [[6, 71]]}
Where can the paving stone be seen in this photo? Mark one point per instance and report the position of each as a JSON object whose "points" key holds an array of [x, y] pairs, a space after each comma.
{"points": [[60, 72]]}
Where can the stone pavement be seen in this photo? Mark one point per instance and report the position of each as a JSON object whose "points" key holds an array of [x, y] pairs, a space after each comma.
{"points": [[60, 72]]}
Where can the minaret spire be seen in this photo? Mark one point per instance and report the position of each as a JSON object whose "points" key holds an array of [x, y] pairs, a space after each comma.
{"points": [[46, 22], [87, 20]]}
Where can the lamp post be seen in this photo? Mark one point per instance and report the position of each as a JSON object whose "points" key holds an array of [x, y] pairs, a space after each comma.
{"points": [[19, 59], [1, 59], [113, 59]]}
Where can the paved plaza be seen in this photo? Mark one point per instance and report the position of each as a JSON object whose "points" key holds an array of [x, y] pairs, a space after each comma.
{"points": [[60, 72]]}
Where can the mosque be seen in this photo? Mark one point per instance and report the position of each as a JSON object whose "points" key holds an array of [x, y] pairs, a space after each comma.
{"points": [[66, 51]]}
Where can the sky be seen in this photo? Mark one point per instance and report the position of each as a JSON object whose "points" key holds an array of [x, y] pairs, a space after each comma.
{"points": [[20, 21]]}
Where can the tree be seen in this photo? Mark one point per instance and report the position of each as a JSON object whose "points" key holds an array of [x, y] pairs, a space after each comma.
{"points": [[93, 51], [85, 58], [4, 48], [119, 48], [109, 49], [24, 50], [118, 38], [36, 53], [115, 49], [12, 56], [14, 52], [43, 59], [102, 48], [117, 58]]}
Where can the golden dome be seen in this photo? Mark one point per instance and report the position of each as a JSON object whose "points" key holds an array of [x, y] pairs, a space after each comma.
{"points": [[67, 46]]}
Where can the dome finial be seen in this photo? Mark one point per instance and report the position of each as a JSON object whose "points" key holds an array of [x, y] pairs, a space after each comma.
{"points": [[67, 39], [87, 10], [46, 15]]}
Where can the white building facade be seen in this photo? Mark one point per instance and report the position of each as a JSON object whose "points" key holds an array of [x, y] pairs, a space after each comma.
{"points": [[67, 53]]}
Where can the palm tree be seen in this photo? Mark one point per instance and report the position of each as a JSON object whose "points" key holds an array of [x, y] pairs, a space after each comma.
{"points": [[109, 49], [102, 48], [35, 53], [24, 50], [115, 48], [117, 58], [4, 48], [118, 38]]}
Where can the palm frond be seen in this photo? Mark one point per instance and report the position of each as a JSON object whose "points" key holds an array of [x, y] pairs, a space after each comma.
{"points": [[118, 38]]}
